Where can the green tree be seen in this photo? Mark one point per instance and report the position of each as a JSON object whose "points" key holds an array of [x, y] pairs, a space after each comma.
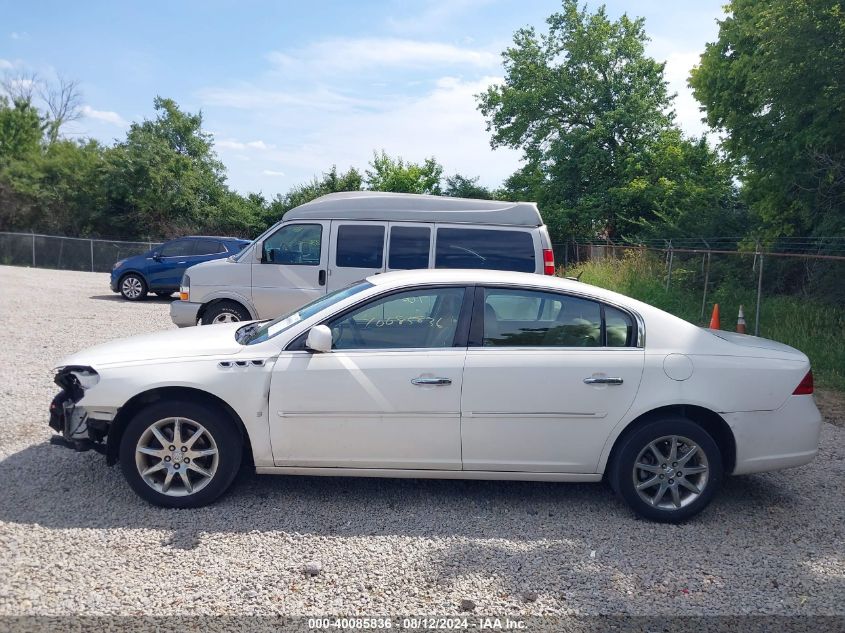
{"points": [[165, 178], [459, 186], [774, 81], [394, 174], [589, 110], [331, 182]]}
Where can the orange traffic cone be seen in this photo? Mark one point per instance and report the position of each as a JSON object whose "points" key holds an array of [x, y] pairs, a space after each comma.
{"points": [[740, 321], [714, 320]]}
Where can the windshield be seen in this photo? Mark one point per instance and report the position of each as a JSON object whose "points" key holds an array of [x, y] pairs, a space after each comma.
{"points": [[259, 332]]}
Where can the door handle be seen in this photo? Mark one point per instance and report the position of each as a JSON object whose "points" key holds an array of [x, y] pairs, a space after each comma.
{"points": [[321, 278], [431, 381], [602, 380]]}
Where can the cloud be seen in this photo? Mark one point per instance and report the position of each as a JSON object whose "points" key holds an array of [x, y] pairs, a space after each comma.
{"points": [[5, 64], [104, 115], [347, 55], [271, 172], [434, 14], [238, 145], [19, 35], [677, 71]]}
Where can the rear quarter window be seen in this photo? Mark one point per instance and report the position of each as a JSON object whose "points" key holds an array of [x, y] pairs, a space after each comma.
{"points": [[485, 249]]}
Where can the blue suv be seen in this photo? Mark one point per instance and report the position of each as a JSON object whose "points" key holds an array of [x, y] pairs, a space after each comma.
{"points": [[160, 270]]}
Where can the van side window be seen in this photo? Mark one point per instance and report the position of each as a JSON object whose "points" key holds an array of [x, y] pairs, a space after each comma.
{"points": [[297, 244], [482, 248], [360, 246], [409, 247]]}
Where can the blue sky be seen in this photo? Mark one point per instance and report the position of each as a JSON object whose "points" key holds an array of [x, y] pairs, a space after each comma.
{"points": [[290, 88]]}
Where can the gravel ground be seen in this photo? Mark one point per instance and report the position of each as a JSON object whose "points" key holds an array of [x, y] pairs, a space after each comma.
{"points": [[75, 539]]}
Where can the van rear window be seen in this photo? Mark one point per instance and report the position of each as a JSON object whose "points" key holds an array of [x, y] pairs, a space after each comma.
{"points": [[482, 248]]}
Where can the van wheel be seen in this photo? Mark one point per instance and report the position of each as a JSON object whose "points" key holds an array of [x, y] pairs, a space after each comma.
{"points": [[668, 470], [225, 312], [180, 454]]}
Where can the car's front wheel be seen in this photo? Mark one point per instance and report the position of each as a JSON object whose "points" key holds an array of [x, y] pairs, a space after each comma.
{"points": [[225, 312], [133, 287], [667, 470], [180, 454]]}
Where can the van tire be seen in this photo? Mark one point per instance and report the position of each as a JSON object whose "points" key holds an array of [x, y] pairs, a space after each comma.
{"points": [[225, 312]]}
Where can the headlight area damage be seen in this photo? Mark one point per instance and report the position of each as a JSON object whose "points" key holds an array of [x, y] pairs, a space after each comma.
{"points": [[78, 430]]}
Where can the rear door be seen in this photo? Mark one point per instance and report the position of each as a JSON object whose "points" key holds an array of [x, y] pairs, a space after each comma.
{"points": [[356, 251], [547, 377], [292, 268]]}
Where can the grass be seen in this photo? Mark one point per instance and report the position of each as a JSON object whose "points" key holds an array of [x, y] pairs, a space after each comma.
{"points": [[816, 328]]}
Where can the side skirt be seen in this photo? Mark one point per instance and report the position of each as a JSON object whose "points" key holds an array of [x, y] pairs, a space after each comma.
{"points": [[428, 474]]}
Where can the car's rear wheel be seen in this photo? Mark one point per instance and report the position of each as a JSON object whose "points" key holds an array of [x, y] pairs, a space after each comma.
{"points": [[180, 454], [133, 287], [667, 470], [225, 312]]}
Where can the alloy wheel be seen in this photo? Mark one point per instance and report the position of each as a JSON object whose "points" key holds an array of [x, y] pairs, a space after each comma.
{"points": [[132, 287], [671, 472]]}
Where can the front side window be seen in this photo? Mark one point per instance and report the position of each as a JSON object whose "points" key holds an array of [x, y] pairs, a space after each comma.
{"points": [[177, 248], [360, 246], [297, 244], [528, 318], [409, 246], [486, 249], [414, 319]]}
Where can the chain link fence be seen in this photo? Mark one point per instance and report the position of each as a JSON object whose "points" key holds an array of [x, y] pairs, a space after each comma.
{"points": [[66, 253]]}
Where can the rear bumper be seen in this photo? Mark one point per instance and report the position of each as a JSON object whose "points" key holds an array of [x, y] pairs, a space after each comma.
{"points": [[772, 440], [184, 313]]}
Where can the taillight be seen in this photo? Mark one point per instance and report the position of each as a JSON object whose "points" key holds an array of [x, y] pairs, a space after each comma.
{"points": [[805, 387], [548, 261]]}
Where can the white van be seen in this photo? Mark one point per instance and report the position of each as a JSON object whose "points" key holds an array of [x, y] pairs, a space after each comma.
{"points": [[340, 238]]}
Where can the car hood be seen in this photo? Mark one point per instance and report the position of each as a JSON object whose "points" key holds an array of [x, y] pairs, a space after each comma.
{"points": [[192, 342]]}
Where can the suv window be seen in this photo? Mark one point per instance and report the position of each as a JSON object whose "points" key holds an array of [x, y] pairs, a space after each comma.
{"points": [[409, 246], [483, 248], [415, 319], [526, 318], [360, 246], [297, 244], [208, 247], [177, 248]]}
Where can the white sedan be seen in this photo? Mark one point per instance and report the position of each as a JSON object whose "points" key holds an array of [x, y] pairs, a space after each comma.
{"points": [[448, 374]]}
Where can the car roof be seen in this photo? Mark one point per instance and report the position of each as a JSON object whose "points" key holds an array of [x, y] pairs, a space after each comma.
{"points": [[409, 207]]}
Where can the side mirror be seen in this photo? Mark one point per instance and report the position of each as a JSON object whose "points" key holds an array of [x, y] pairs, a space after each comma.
{"points": [[258, 251], [157, 257], [319, 339]]}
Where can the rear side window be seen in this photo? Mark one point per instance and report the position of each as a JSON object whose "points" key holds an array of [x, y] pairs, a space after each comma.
{"points": [[177, 248], [360, 246], [208, 247], [482, 248], [409, 247], [619, 326]]}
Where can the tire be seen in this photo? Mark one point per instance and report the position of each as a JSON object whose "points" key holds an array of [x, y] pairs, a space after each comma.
{"points": [[214, 456], [164, 295], [225, 312], [636, 464], [133, 287]]}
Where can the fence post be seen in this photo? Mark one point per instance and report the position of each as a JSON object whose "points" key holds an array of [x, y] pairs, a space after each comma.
{"points": [[706, 281], [759, 294], [33, 250], [91, 242], [671, 257]]}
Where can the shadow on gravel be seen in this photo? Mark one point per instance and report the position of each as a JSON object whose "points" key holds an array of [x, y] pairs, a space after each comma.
{"points": [[149, 299]]}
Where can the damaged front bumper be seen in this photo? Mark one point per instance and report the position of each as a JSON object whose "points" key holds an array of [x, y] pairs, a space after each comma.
{"points": [[78, 428]]}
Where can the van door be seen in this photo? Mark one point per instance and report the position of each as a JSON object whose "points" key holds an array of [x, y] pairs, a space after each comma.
{"points": [[356, 251], [409, 246], [292, 270]]}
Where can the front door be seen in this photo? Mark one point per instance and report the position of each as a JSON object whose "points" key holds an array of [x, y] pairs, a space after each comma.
{"points": [[388, 395], [357, 251], [292, 269], [548, 377], [165, 271]]}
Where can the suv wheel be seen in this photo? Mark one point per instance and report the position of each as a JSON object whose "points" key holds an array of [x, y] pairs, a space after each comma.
{"points": [[133, 287], [225, 312], [668, 470], [180, 454]]}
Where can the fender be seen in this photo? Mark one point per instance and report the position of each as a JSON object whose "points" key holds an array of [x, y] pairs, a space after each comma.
{"points": [[231, 295]]}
